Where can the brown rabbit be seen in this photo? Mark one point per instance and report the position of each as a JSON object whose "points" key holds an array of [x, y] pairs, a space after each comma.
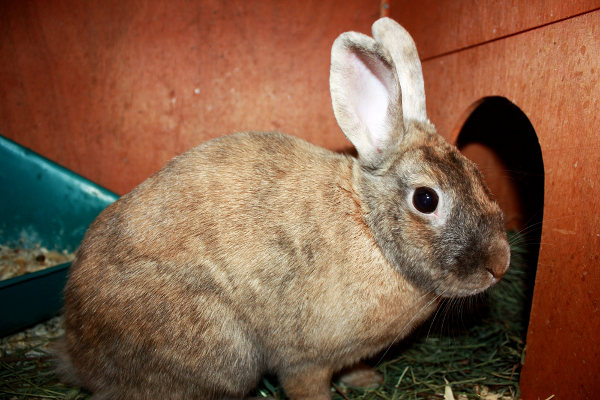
{"points": [[261, 253]]}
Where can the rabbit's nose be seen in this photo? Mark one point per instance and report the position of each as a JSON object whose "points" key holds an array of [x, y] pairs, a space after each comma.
{"points": [[497, 270], [499, 258]]}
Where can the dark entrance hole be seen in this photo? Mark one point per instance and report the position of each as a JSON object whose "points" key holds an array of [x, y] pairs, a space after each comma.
{"points": [[500, 139]]}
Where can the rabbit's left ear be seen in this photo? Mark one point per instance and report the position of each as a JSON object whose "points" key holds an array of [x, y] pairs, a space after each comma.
{"points": [[403, 50], [366, 96]]}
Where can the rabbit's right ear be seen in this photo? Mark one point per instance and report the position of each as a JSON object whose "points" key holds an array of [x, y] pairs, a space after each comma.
{"points": [[366, 96]]}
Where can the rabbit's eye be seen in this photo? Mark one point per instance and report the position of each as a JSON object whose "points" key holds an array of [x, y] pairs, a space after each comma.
{"points": [[425, 200]]}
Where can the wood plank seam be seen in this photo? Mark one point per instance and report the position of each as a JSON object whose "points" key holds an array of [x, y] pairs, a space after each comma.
{"points": [[444, 54]]}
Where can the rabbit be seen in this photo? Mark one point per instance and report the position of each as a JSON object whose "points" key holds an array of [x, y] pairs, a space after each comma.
{"points": [[260, 253]]}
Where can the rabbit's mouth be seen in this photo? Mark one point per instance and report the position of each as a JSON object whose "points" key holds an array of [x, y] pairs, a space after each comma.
{"points": [[456, 287], [459, 285]]}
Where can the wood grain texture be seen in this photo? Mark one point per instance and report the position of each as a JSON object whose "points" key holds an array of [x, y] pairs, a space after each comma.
{"points": [[553, 75], [114, 89], [442, 26]]}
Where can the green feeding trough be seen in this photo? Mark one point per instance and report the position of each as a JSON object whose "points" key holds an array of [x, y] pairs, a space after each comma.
{"points": [[42, 204]]}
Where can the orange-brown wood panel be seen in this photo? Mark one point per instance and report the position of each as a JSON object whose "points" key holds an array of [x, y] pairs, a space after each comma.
{"points": [[113, 89], [442, 26], [553, 75]]}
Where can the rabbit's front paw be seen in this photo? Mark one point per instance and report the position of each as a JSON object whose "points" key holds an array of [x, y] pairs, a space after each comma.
{"points": [[361, 375]]}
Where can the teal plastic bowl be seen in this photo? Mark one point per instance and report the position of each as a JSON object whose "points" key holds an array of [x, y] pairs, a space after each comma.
{"points": [[43, 203]]}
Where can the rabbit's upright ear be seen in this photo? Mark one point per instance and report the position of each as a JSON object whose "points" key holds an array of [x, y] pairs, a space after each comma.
{"points": [[366, 96], [403, 50]]}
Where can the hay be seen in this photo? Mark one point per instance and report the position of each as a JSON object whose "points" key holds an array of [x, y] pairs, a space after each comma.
{"points": [[472, 349], [17, 261]]}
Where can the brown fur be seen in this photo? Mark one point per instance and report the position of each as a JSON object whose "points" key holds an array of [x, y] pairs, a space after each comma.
{"points": [[276, 278], [260, 253]]}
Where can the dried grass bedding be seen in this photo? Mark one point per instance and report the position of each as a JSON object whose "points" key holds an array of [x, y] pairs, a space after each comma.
{"points": [[17, 261]]}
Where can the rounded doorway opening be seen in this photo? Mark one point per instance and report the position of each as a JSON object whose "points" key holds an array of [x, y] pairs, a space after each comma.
{"points": [[501, 140]]}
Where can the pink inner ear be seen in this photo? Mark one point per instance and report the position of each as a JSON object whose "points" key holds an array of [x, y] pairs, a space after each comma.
{"points": [[368, 95]]}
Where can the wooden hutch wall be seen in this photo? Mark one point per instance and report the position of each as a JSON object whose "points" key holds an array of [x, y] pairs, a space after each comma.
{"points": [[114, 89]]}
